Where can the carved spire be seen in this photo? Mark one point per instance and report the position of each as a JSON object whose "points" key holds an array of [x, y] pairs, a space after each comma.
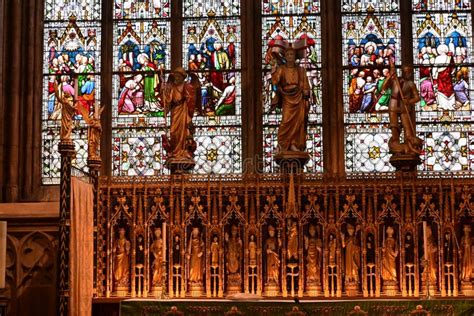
{"points": [[331, 209], [214, 212], [408, 208], [140, 211], [447, 208], [370, 209], [291, 209], [177, 211], [253, 217]]}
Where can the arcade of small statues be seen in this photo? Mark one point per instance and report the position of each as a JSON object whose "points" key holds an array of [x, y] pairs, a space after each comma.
{"points": [[290, 234], [284, 236]]}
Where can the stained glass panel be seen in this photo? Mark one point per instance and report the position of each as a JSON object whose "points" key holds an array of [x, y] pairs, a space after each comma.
{"points": [[71, 61], [57, 10], [212, 52], [359, 6], [290, 7], [424, 5], [442, 49], [141, 59], [303, 32], [141, 9], [371, 42], [211, 8]]}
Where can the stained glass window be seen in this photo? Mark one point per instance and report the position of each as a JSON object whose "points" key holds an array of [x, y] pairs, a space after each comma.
{"points": [[442, 48], [295, 23], [212, 51], [141, 57], [71, 61], [371, 42]]}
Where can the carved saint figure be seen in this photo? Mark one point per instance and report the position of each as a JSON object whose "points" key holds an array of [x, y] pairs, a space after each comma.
{"points": [[121, 252], [181, 98], [177, 251], [313, 246], [272, 247], [234, 250], [466, 254], [195, 252], [252, 252], [430, 268], [293, 94], [389, 255], [332, 250], [68, 110], [352, 255], [292, 250], [409, 249], [215, 252], [401, 112], [94, 131], [157, 251]]}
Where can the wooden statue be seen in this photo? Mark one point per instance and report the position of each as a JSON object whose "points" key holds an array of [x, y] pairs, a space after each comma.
{"points": [[313, 246], [181, 99], [195, 256], [94, 131], [233, 259], [466, 255], [292, 250], [157, 251], [215, 248], [352, 255], [401, 112], [68, 110], [121, 254], [389, 255], [272, 246], [292, 96], [252, 252]]}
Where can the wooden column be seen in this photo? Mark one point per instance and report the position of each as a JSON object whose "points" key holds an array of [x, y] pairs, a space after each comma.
{"points": [[332, 100], [106, 79], [13, 87], [66, 149]]}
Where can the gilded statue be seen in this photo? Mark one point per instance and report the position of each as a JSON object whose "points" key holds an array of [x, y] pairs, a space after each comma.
{"points": [[215, 248], [332, 250], [313, 246], [195, 253], [181, 99], [157, 251], [401, 112], [292, 95], [292, 251], [94, 131], [352, 255], [466, 254], [389, 255], [272, 246], [252, 252], [430, 259], [121, 254], [68, 110], [234, 250]]}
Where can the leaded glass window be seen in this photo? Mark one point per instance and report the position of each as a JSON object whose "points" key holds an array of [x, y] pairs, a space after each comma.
{"points": [[212, 50], [71, 61], [442, 54], [141, 57], [371, 41], [296, 23]]}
